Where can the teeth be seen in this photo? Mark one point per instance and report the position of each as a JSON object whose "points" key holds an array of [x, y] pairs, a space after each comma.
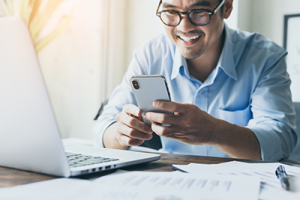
{"points": [[188, 39]]}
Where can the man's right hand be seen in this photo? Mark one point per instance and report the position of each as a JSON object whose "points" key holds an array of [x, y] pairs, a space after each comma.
{"points": [[129, 130]]}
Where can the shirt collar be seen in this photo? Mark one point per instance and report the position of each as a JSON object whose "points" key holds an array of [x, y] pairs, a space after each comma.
{"points": [[179, 62], [226, 60]]}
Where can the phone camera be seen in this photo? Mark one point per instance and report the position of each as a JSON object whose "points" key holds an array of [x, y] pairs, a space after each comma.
{"points": [[135, 85]]}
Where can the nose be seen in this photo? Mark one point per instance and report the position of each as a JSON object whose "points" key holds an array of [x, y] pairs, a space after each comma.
{"points": [[185, 25]]}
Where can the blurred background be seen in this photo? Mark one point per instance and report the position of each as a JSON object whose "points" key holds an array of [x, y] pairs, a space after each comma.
{"points": [[85, 60]]}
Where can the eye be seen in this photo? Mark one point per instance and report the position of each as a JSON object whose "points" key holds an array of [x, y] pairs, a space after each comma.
{"points": [[171, 12], [198, 14], [198, 11]]}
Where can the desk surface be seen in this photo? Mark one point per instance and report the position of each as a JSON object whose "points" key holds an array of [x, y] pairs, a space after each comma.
{"points": [[12, 177]]}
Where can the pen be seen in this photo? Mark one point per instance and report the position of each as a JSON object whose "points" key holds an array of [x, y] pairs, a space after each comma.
{"points": [[281, 174]]}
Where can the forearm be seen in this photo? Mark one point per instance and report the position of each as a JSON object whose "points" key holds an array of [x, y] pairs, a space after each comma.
{"points": [[110, 140], [236, 141]]}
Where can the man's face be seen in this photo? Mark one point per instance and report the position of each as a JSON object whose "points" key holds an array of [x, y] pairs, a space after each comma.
{"points": [[192, 40]]}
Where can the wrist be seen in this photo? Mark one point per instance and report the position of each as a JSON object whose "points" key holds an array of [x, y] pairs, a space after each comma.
{"points": [[219, 131], [110, 138], [236, 141]]}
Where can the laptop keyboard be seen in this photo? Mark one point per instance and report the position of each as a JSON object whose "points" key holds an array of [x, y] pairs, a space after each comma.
{"points": [[79, 160]]}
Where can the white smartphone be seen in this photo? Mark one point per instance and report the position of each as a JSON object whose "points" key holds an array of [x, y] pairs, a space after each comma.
{"points": [[148, 88]]}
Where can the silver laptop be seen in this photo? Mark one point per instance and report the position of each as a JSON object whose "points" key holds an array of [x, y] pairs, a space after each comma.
{"points": [[29, 135]]}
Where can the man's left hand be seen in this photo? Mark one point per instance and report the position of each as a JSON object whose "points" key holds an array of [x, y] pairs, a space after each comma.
{"points": [[188, 124]]}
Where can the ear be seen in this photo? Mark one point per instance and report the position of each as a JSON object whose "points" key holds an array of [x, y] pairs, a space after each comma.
{"points": [[227, 8]]}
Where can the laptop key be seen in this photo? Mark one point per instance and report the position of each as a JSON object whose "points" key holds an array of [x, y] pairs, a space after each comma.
{"points": [[101, 158], [84, 157], [72, 154], [106, 161], [78, 165], [88, 162], [78, 160], [98, 162]]}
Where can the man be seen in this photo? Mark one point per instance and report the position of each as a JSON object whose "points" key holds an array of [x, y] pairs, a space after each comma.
{"points": [[229, 89]]}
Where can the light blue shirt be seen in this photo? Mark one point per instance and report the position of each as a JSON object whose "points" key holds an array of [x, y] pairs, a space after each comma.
{"points": [[249, 87]]}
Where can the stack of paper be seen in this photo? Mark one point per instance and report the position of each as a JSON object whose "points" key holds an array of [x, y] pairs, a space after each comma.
{"points": [[270, 185], [141, 185], [177, 186]]}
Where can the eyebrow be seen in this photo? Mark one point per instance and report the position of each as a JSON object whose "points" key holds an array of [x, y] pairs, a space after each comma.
{"points": [[203, 3]]}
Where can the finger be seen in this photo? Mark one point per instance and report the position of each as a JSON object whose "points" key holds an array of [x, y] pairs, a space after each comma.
{"points": [[127, 141], [132, 133], [170, 132], [133, 110], [140, 118], [171, 106], [164, 131], [163, 118], [134, 123]]}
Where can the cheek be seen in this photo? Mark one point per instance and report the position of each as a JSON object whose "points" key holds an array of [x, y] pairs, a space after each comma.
{"points": [[214, 31], [170, 32], [218, 24]]}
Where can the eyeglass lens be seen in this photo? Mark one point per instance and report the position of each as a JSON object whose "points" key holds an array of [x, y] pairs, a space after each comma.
{"points": [[197, 17]]}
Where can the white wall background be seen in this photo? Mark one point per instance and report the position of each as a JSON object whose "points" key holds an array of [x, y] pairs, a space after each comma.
{"points": [[142, 24], [232, 21], [267, 18], [70, 65], [85, 63]]}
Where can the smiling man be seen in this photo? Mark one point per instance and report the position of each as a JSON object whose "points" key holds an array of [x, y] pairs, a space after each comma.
{"points": [[229, 89]]}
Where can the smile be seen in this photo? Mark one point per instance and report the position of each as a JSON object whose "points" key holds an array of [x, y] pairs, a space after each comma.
{"points": [[188, 39]]}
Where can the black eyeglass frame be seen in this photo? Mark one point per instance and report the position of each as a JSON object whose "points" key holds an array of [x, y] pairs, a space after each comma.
{"points": [[210, 13]]}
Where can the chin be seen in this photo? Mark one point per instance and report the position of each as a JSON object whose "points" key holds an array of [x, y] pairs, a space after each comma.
{"points": [[191, 54]]}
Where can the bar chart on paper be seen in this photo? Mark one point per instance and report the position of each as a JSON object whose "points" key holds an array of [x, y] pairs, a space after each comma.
{"points": [[141, 185], [178, 186], [179, 183]]}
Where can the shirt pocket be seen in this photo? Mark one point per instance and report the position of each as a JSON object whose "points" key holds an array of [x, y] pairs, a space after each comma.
{"points": [[238, 117]]}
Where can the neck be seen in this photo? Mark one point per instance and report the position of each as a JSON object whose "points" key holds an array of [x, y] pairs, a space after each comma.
{"points": [[202, 66]]}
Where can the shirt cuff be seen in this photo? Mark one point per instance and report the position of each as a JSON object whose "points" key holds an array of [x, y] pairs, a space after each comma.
{"points": [[98, 133], [269, 141]]}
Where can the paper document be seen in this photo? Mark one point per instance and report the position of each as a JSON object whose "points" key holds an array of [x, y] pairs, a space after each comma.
{"points": [[140, 186], [45, 190], [178, 186], [270, 185]]}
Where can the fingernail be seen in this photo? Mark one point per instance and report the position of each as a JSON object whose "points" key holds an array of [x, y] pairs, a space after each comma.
{"points": [[137, 111], [150, 131], [155, 103], [146, 115]]}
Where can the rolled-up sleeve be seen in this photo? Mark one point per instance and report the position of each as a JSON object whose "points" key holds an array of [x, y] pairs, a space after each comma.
{"points": [[273, 120]]}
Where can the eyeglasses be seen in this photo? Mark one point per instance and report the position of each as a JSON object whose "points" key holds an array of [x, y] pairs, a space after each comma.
{"points": [[198, 17]]}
